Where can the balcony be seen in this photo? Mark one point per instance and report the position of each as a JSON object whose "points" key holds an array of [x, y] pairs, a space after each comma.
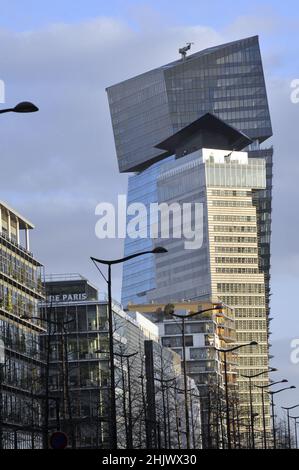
{"points": [[15, 245]]}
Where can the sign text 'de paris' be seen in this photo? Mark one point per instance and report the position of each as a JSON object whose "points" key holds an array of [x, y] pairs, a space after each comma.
{"points": [[67, 297]]}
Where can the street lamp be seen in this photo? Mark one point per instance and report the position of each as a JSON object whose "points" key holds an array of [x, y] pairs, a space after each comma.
{"points": [[296, 436], [23, 107], [169, 310], [61, 323], [225, 351], [109, 263], [262, 387], [250, 377], [129, 428], [272, 393], [288, 408]]}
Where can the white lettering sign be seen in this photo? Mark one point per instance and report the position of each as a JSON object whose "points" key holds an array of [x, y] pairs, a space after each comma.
{"points": [[67, 297]]}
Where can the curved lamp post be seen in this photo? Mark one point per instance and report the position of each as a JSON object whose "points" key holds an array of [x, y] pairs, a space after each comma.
{"points": [[262, 388], [288, 408], [295, 423], [46, 396], [272, 393], [169, 310], [250, 377], [109, 263], [225, 351]]}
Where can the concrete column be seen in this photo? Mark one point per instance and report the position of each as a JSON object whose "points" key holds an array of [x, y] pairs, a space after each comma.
{"points": [[18, 231], [0, 219], [8, 225], [27, 239]]}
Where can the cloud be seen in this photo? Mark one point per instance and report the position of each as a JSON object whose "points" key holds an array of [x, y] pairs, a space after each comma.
{"points": [[248, 25], [56, 165]]}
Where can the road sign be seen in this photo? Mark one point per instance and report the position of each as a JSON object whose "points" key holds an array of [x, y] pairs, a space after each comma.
{"points": [[58, 440]]}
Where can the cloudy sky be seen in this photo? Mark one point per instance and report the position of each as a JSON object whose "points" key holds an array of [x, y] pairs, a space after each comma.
{"points": [[56, 165]]}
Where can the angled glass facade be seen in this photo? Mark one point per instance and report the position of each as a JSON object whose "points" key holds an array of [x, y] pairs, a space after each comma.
{"points": [[139, 277], [226, 80]]}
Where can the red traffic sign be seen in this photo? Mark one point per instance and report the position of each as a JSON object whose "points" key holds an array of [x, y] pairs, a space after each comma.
{"points": [[58, 440]]}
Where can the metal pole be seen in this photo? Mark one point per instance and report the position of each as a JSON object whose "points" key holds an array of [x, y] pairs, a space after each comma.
{"points": [[1, 407], [177, 419], [273, 421], [130, 420], [229, 444], [47, 371], [124, 394], [264, 420], [251, 414], [192, 421], [57, 413], [289, 429], [64, 345], [164, 413], [151, 422], [168, 417], [113, 428], [185, 386], [296, 435]]}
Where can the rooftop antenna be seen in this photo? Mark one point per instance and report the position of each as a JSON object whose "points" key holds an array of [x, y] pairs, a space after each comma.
{"points": [[183, 50]]}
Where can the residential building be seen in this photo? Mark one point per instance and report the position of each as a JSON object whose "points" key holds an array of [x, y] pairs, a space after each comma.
{"points": [[22, 362]]}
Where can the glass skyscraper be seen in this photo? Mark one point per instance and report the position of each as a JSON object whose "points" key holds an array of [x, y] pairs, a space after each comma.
{"points": [[192, 131], [226, 80]]}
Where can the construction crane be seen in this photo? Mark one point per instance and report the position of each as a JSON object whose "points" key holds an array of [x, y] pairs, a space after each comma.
{"points": [[183, 50]]}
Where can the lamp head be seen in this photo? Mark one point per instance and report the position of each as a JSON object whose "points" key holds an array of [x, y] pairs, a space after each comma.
{"points": [[160, 249], [218, 306], [25, 107], [169, 309]]}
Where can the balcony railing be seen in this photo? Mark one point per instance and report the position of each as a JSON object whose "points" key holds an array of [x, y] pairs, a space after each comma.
{"points": [[15, 244]]}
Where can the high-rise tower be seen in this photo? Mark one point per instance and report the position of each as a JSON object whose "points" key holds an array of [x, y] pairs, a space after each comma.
{"points": [[226, 80], [192, 131]]}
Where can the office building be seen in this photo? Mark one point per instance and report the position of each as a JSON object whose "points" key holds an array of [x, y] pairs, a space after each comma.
{"points": [[79, 371], [227, 81], [192, 131], [21, 288], [226, 267]]}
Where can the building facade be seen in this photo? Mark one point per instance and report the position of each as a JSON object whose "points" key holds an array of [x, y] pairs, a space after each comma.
{"points": [[79, 371], [227, 81], [227, 266], [22, 361], [179, 154], [204, 334]]}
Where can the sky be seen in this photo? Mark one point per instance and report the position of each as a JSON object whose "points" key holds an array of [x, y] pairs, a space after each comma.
{"points": [[58, 164]]}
